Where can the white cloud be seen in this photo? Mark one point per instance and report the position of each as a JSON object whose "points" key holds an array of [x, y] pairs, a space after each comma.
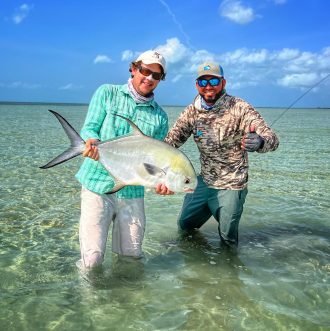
{"points": [[127, 55], [287, 54], [303, 62], [253, 56], [173, 51], [102, 59], [323, 59], [235, 11], [244, 56], [294, 80], [70, 86], [287, 67], [21, 13]]}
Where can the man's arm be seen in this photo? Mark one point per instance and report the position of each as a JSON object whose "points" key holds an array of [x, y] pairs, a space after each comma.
{"points": [[95, 114], [176, 137], [182, 128], [259, 136]]}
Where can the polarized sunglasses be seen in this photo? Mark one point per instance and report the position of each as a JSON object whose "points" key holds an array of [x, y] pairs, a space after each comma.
{"points": [[212, 82], [147, 72]]}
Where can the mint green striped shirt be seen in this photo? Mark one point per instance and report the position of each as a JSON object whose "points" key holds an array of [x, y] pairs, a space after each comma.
{"points": [[101, 123]]}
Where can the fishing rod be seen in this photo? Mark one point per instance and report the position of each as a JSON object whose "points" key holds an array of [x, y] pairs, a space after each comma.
{"points": [[300, 97]]}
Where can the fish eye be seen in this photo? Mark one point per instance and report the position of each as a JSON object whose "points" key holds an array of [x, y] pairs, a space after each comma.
{"points": [[187, 181]]}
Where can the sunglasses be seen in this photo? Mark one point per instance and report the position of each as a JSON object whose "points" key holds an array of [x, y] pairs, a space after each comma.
{"points": [[147, 72], [212, 82]]}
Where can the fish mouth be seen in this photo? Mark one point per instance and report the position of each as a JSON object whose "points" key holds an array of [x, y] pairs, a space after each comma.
{"points": [[189, 190]]}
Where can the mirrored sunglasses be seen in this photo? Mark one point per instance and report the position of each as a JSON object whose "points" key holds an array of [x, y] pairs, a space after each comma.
{"points": [[213, 82], [147, 72]]}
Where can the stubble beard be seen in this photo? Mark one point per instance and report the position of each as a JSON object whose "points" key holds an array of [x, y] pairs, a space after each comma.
{"points": [[211, 100]]}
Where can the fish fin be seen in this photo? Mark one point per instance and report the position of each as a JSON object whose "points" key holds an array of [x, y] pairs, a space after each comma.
{"points": [[118, 186], [70, 153], [77, 143], [153, 170], [136, 130]]}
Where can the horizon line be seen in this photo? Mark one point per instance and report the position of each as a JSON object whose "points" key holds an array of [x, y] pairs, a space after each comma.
{"points": [[86, 104]]}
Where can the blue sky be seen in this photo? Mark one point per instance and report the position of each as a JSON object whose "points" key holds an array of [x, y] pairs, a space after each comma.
{"points": [[272, 51]]}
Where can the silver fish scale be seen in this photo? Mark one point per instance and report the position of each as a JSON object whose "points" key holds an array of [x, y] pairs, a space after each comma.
{"points": [[124, 158]]}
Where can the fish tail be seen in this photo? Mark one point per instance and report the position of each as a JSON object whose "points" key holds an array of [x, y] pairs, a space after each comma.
{"points": [[77, 143]]}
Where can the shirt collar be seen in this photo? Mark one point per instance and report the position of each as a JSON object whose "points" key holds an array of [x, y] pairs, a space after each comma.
{"points": [[124, 90], [199, 102]]}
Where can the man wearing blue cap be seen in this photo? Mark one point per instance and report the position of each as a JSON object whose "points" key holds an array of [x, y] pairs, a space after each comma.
{"points": [[224, 128]]}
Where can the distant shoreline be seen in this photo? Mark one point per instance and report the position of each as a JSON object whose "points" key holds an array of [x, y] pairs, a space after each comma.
{"points": [[86, 104], [41, 103]]}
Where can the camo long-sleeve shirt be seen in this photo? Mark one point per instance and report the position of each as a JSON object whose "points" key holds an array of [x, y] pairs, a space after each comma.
{"points": [[218, 134]]}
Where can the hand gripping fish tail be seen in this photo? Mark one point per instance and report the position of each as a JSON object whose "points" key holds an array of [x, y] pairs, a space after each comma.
{"points": [[77, 143]]}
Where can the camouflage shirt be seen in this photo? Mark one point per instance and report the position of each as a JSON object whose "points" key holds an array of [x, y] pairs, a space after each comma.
{"points": [[218, 134]]}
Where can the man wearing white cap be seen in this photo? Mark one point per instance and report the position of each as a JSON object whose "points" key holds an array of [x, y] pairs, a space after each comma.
{"points": [[125, 209], [224, 128]]}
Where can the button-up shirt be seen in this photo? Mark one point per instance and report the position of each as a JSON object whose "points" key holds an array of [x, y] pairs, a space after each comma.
{"points": [[101, 123]]}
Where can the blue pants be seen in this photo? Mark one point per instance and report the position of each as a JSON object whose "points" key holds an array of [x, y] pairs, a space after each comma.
{"points": [[226, 206]]}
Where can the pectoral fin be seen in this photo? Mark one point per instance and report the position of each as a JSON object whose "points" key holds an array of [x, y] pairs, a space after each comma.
{"points": [[154, 170]]}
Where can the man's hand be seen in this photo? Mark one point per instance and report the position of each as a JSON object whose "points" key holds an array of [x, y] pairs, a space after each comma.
{"points": [[251, 141], [91, 149], [163, 190]]}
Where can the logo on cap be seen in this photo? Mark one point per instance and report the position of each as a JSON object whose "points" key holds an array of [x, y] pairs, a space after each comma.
{"points": [[207, 68], [157, 55]]}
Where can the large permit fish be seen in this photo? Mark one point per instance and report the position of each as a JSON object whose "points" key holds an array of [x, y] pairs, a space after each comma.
{"points": [[134, 159]]}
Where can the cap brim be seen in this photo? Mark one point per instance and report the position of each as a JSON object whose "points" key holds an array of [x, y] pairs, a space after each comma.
{"points": [[208, 74], [153, 62]]}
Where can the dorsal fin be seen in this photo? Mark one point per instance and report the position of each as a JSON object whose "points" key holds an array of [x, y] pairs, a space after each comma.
{"points": [[136, 130], [118, 186]]}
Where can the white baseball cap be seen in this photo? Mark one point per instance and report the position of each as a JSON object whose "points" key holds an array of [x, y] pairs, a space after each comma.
{"points": [[149, 57]]}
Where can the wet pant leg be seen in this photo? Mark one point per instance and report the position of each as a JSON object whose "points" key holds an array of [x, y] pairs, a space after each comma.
{"points": [[97, 212], [129, 227], [195, 211], [227, 208]]}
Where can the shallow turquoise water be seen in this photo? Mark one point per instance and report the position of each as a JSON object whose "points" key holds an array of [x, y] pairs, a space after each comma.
{"points": [[278, 280]]}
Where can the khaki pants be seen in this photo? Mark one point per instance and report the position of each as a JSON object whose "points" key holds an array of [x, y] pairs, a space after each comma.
{"points": [[98, 211]]}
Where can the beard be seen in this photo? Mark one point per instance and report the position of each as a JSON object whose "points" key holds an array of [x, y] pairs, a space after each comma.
{"points": [[211, 99]]}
